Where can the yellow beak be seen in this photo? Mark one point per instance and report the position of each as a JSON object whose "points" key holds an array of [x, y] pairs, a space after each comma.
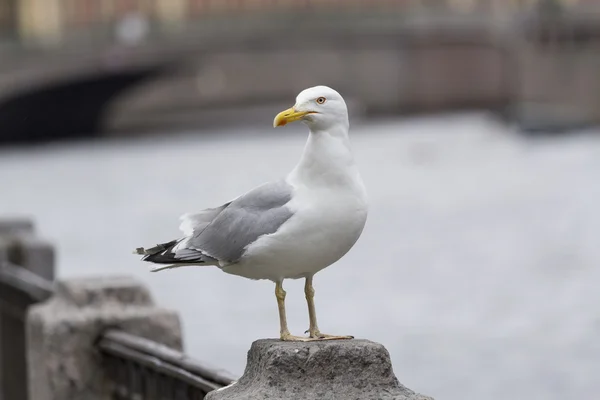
{"points": [[289, 115]]}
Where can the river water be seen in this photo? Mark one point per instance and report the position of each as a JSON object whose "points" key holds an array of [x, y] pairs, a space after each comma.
{"points": [[479, 267]]}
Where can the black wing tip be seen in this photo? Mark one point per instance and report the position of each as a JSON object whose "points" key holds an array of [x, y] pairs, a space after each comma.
{"points": [[165, 257], [159, 252], [163, 254], [156, 249]]}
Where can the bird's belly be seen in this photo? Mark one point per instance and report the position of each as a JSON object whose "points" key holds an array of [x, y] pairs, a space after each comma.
{"points": [[315, 238]]}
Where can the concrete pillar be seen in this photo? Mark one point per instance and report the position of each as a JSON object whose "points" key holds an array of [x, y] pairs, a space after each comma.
{"points": [[63, 362], [30, 252], [321, 370], [8, 228], [20, 247]]}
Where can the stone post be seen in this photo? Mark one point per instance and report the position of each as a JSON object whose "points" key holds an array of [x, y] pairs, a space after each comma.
{"points": [[321, 370], [63, 362], [20, 247]]}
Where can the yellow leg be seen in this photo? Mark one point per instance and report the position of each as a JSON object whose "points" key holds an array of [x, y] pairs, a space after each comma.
{"points": [[313, 329], [283, 331]]}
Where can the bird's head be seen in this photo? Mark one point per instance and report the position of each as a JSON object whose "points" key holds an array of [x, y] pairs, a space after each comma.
{"points": [[319, 107]]}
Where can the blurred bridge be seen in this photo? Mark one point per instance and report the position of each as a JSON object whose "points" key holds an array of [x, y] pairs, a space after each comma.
{"points": [[390, 59], [65, 91]]}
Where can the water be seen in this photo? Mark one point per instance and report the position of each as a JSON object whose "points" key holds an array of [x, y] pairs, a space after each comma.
{"points": [[479, 267]]}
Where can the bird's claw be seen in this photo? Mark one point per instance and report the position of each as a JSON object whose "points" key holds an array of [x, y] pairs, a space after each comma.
{"points": [[291, 338], [317, 335], [313, 337]]}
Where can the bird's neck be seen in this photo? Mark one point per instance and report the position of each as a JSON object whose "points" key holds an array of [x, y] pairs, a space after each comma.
{"points": [[327, 159]]}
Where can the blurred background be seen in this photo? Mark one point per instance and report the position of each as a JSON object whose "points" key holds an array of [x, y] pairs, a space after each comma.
{"points": [[474, 122]]}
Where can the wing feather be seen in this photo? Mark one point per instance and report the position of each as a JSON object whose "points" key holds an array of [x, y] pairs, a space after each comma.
{"points": [[259, 212], [222, 234]]}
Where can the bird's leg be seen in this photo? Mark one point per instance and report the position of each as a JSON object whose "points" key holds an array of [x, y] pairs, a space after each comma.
{"points": [[313, 329], [284, 331]]}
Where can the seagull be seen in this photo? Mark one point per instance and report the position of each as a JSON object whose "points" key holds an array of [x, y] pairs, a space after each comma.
{"points": [[290, 228]]}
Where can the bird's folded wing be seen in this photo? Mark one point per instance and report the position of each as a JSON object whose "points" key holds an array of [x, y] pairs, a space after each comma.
{"points": [[236, 225], [196, 223]]}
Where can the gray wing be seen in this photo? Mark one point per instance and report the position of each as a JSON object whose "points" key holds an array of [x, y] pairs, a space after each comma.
{"points": [[195, 223], [259, 212]]}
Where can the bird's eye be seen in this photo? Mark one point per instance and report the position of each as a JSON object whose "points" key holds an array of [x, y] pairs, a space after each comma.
{"points": [[321, 100]]}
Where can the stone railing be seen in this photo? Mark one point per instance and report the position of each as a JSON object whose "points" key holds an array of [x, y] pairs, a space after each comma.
{"points": [[26, 274], [105, 338]]}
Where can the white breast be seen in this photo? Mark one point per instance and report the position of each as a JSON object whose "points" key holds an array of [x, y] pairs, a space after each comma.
{"points": [[330, 210], [325, 226]]}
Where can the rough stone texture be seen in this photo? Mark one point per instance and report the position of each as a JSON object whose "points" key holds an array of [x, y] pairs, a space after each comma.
{"points": [[345, 369], [63, 361]]}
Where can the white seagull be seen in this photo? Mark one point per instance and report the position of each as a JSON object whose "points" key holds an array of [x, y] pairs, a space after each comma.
{"points": [[286, 229]]}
